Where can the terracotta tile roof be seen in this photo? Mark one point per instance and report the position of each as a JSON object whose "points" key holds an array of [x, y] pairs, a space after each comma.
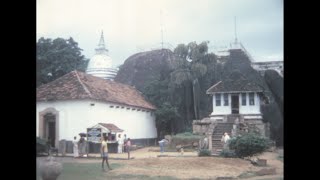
{"points": [[234, 86], [111, 127], [78, 85]]}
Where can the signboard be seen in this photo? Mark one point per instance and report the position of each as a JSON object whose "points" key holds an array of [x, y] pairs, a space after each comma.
{"points": [[94, 134]]}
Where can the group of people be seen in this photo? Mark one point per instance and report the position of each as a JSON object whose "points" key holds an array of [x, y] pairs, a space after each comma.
{"points": [[79, 147], [122, 143]]}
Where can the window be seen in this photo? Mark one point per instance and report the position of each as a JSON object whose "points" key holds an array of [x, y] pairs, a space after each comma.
{"points": [[251, 98], [117, 106], [225, 100], [111, 106], [243, 99], [218, 99]]}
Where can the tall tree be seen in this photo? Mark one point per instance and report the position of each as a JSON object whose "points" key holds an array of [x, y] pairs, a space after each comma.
{"points": [[56, 58]]}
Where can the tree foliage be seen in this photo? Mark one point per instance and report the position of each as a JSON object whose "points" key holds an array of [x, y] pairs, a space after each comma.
{"points": [[182, 89], [56, 58]]}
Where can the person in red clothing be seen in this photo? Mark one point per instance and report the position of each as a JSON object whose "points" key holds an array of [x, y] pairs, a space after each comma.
{"points": [[128, 145]]}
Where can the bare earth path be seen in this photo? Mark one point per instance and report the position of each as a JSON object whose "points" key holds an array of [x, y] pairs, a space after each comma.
{"points": [[147, 163]]}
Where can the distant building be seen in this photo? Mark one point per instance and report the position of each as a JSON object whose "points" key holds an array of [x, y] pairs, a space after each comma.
{"points": [[76, 101], [268, 65], [100, 65]]}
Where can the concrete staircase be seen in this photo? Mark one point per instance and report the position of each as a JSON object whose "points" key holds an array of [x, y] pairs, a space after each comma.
{"points": [[219, 130]]}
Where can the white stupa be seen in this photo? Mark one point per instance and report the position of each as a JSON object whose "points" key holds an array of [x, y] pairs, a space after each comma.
{"points": [[100, 65]]}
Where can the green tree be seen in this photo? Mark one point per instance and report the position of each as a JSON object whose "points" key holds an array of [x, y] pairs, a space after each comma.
{"points": [[56, 58]]}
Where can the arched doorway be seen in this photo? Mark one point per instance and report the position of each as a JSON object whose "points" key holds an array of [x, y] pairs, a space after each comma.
{"points": [[49, 126]]}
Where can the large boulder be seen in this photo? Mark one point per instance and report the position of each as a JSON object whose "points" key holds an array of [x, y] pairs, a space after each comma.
{"points": [[145, 66]]}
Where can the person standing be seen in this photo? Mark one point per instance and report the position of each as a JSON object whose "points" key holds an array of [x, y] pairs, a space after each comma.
{"points": [[75, 147], [80, 146], [225, 138], [128, 145], [120, 143], [125, 142], [161, 144], [104, 152]]}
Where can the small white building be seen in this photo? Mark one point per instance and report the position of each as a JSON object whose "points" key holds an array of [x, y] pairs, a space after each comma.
{"points": [[111, 131], [235, 97], [76, 101]]}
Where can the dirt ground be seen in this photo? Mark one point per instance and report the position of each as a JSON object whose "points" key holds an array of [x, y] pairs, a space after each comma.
{"points": [[187, 166]]}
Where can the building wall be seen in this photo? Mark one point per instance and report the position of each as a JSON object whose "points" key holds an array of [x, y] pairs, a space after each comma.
{"points": [[247, 109], [77, 115], [250, 109], [216, 110], [263, 66]]}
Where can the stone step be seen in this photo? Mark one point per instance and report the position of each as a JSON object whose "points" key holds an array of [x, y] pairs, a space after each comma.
{"points": [[221, 129], [217, 145], [225, 126], [221, 132]]}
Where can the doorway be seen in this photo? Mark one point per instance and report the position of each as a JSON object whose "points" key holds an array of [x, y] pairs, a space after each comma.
{"points": [[235, 104], [50, 128]]}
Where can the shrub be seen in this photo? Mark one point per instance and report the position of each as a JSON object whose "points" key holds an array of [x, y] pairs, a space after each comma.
{"points": [[42, 146], [227, 153], [248, 145], [204, 152]]}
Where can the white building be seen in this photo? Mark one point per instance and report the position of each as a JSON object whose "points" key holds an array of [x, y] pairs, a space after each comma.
{"points": [[100, 65], [268, 65], [235, 97], [76, 101]]}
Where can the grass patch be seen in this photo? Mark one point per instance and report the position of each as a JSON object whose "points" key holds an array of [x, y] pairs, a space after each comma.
{"points": [[92, 171], [142, 177], [247, 175], [280, 158], [85, 171], [279, 178]]}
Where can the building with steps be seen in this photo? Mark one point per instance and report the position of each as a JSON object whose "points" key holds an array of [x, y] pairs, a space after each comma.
{"points": [[236, 102]]}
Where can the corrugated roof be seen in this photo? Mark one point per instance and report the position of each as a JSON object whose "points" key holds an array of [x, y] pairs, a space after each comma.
{"points": [[78, 85]]}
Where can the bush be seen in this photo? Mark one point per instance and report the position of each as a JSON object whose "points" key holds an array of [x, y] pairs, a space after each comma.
{"points": [[248, 145], [227, 154], [42, 146], [204, 152]]}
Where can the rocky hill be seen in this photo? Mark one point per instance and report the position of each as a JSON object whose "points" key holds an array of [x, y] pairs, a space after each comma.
{"points": [[144, 66], [158, 65]]}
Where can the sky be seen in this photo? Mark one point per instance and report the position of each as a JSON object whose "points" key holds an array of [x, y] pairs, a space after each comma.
{"points": [[132, 26]]}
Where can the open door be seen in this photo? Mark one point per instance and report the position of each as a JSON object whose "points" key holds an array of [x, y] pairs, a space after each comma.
{"points": [[235, 104]]}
